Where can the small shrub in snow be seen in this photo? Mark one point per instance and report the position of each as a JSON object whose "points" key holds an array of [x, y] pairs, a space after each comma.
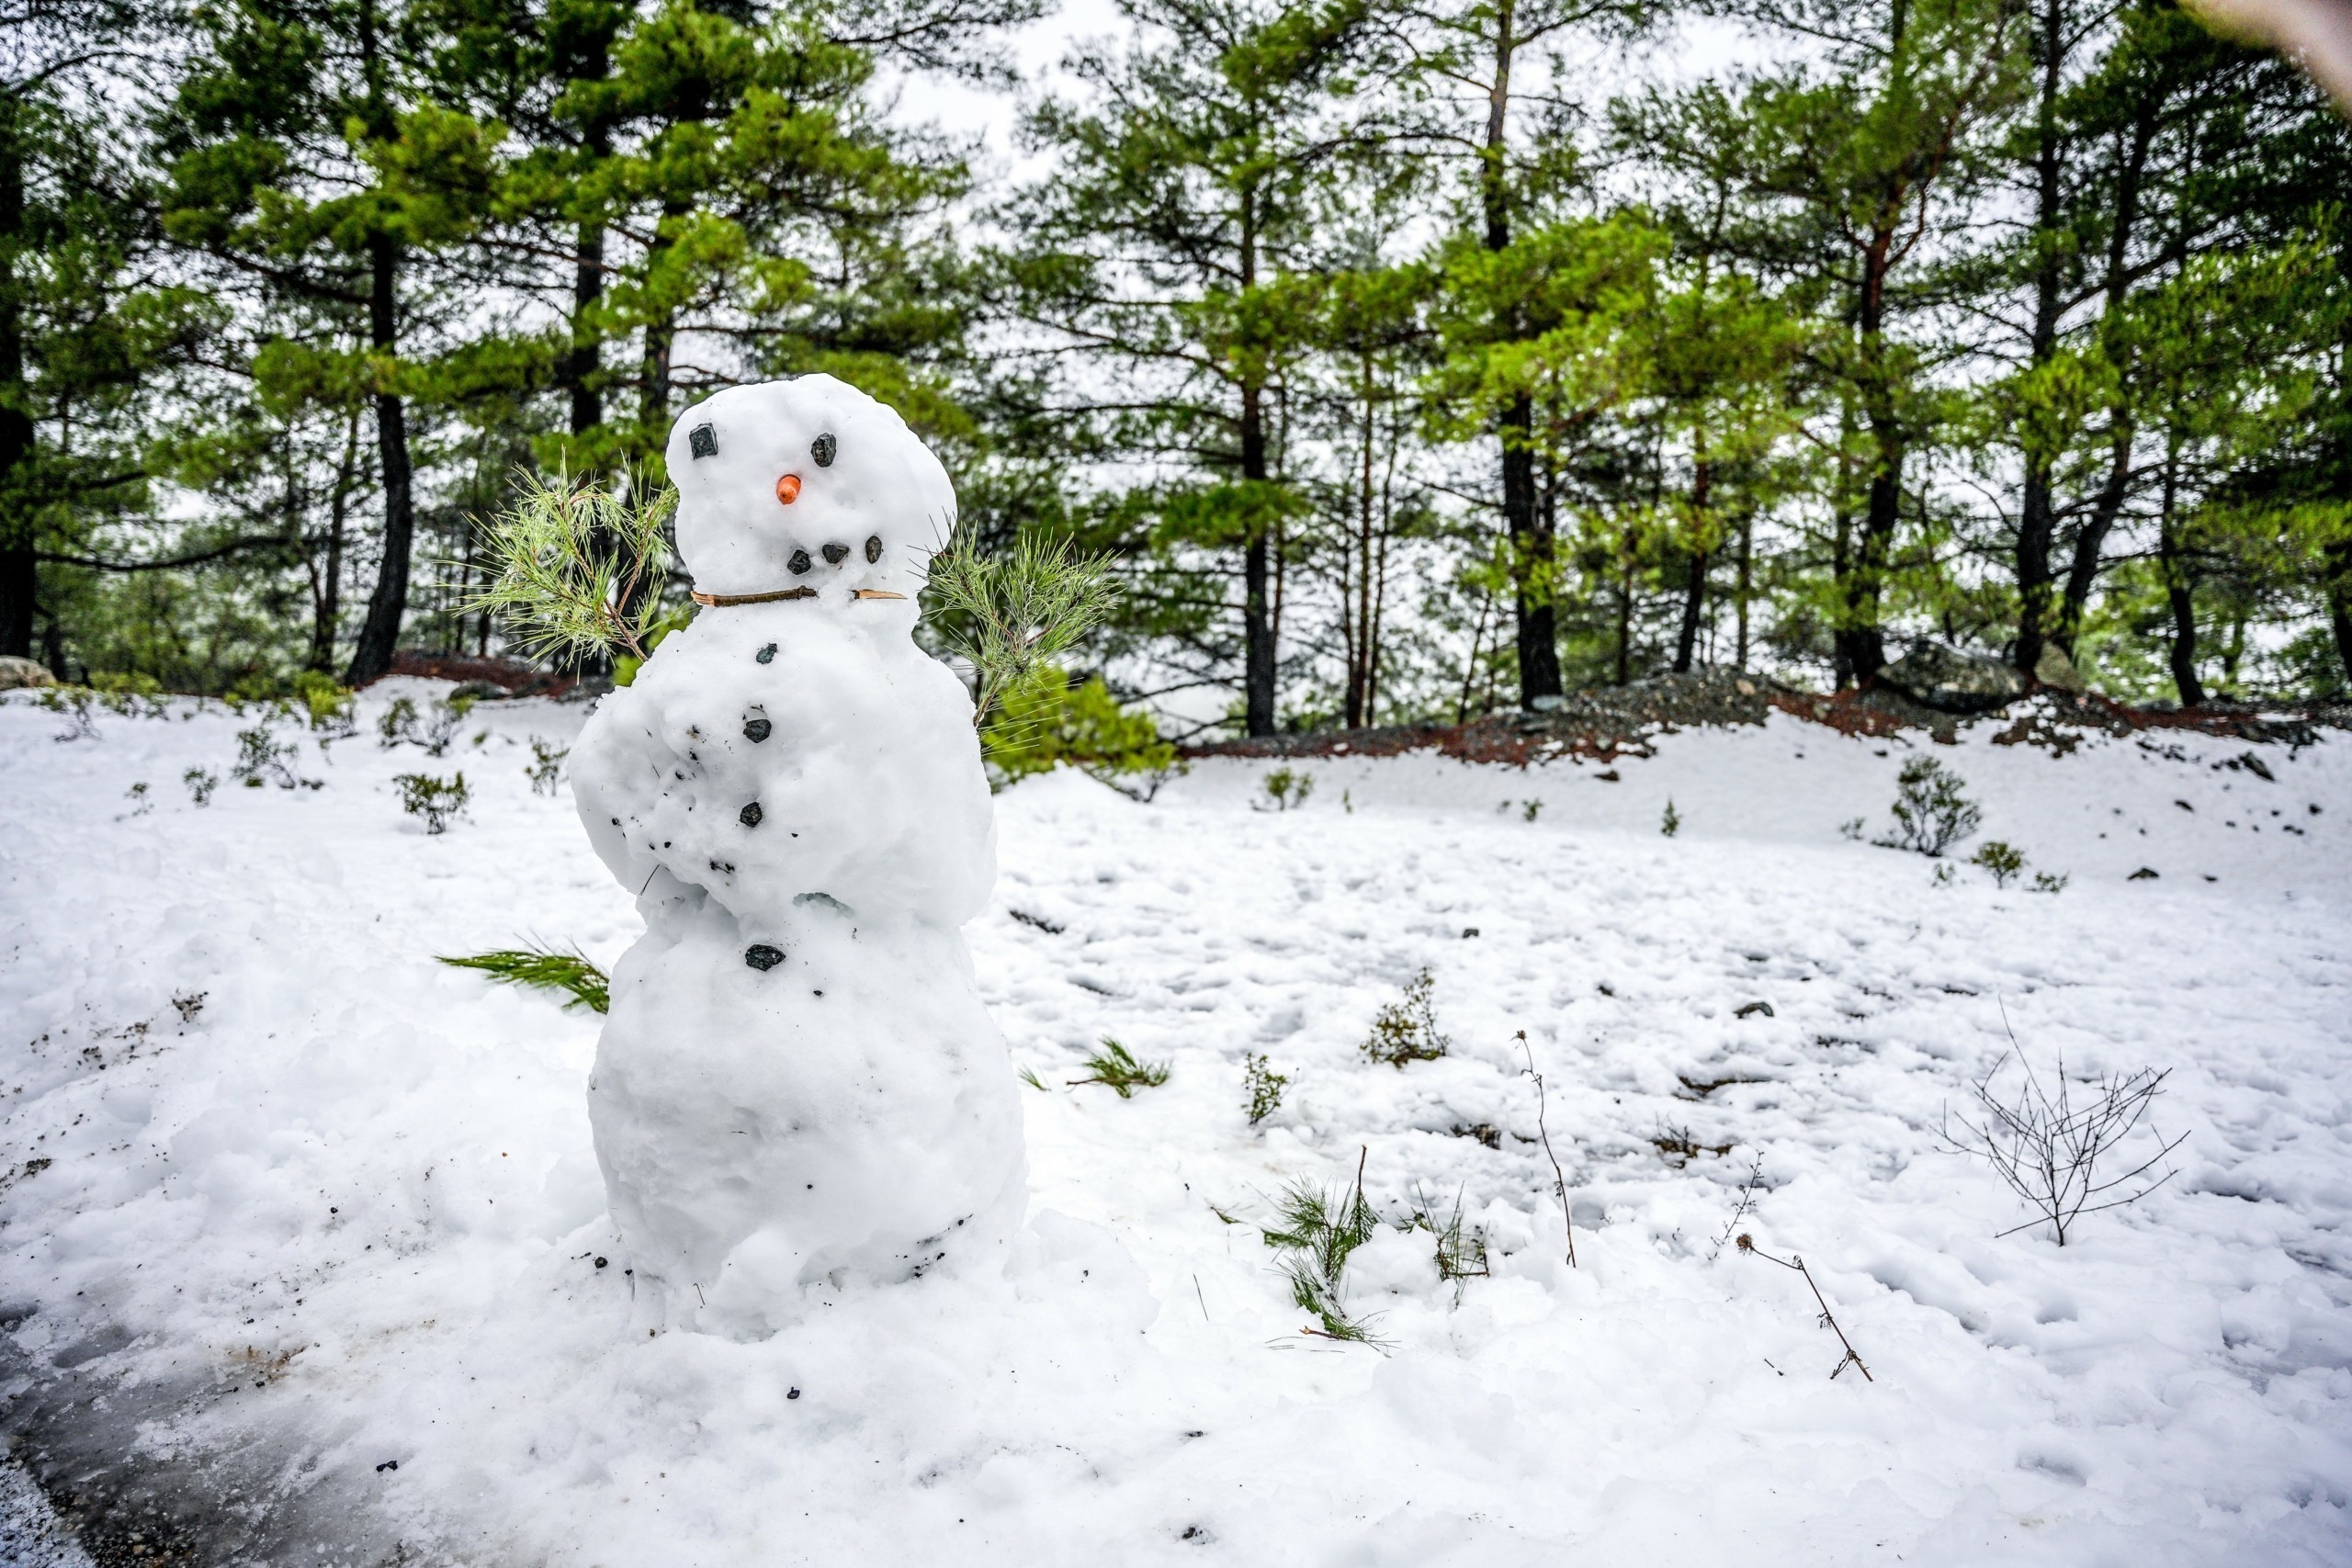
{"points": [[328, 702], [1261, 1088], [546, 771], [137, 794], [1319, 1230], [438, 802], [1529, 810], [261, 758], [2050, 1149], [1930, 812], [2004, 863], [441, 727], [1286, 788], [1671, 823], [201, 785], [1405, 1030], [546, 968], [2043, 882], [396, 723], [1117, 1070]]}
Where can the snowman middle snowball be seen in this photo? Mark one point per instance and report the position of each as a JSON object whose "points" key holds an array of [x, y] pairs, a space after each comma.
{"points": [[798, 1085]]}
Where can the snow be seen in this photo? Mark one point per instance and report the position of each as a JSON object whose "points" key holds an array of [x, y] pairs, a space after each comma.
{"points": [[346, 1216]]}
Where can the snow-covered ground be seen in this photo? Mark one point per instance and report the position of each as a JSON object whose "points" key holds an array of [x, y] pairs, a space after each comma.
{"points": [[324, 1263]]}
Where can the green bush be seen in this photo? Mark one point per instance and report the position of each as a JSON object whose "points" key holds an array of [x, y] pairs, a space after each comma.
{"points": [[438, 802], [1052, 720]]}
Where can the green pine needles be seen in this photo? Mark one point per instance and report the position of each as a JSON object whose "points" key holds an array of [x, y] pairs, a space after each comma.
{"points": [[1013, 614], [547, 969], [1320, 1231], [577, 566], [1116, 1068]]}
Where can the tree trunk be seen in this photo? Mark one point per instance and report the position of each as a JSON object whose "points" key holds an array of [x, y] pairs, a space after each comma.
{"points": [[1356, 608], [1531, 541], [379, 633], [1746, 553], [2090, 542], [2339, 602], [1861, 639], [20, 578], [583, 368], [2036, 518], [2181, 595], [327, 620], [1694, 592], [1257, 622]]}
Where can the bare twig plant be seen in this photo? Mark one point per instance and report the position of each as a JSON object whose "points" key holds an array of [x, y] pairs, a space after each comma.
{"points": [[1828, 1319], [1740, 1211], [2049, 1148], [1013, 613], [577, 564], [1559, 1177]]}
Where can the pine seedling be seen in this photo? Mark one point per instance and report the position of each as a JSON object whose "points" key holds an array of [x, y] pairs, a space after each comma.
{"points": [[2004, 861], [2043, 882], [1011, 614], [547, 969], [1405, 1030], [569, 558], [438, 801], [1261, 1088], [1461, 1253], [1529, 810], [201, 785], [1671, 823], [1319, 1231], [1117, 1070]]}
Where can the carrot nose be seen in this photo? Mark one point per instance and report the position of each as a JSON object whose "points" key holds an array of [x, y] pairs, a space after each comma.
{"points": [[787, 490]]}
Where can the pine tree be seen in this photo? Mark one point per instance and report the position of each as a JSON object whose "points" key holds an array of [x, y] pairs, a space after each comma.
{"points": [[1168, 245]]}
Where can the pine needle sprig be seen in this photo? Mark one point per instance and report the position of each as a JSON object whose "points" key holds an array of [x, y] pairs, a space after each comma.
{"points": [[1320, 1231], [1116, 1068], [545, 968], [567, 561], [1013, 613]]}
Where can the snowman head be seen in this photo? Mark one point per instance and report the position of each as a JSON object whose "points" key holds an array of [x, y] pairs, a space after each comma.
{"points": [[807, 484]]}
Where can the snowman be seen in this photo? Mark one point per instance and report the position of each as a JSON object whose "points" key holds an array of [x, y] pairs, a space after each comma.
{"points": [[797, 1087]]}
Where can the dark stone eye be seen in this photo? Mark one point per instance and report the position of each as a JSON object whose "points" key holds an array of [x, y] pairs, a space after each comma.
{"points": [[757, 729], [703, 441], [750, 816], [835, 553], [823, 448], [873, 548], [799, 563], [763, 957], [765, 655]]}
